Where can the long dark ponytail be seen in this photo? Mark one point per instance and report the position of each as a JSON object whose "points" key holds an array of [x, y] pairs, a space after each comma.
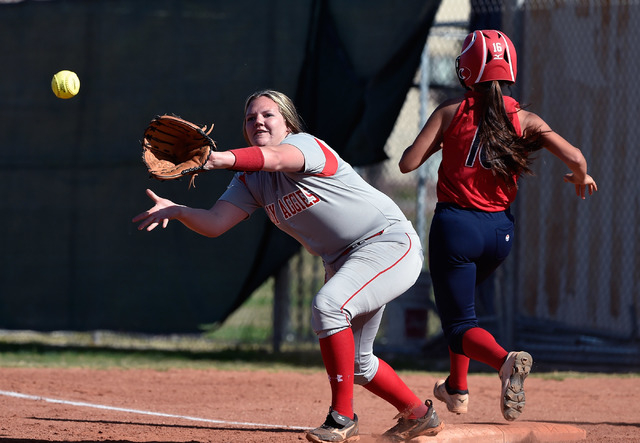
{"points": [[506, 151]]}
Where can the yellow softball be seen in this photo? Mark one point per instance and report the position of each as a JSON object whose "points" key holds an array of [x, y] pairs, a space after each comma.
{"points": [[65, 84]]}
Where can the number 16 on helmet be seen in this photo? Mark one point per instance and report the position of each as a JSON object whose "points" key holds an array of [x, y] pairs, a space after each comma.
{"points": [[486, 55]]}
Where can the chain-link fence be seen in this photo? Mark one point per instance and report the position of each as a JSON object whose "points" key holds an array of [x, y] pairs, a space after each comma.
{"points": [[569, 290]]}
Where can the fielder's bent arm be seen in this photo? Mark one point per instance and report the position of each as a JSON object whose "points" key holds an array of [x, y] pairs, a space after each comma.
{"points": [[284, 158], [565, 151]]}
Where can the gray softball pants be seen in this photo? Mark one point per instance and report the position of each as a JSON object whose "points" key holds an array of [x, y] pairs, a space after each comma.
{"points": [[360, 284]]}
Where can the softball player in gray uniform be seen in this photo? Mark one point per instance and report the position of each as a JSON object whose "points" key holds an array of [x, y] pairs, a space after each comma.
{"points": [[370, 251]]}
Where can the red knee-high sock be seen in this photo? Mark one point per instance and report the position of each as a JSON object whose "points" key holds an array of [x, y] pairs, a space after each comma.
{"points": [[387, 385], [338, 353], [459, 368], [480, 345]]}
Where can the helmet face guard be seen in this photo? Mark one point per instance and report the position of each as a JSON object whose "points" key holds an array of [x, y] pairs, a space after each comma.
{"points": [[486, 55]]}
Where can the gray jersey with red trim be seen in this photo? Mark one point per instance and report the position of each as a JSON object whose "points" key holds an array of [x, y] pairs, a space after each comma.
{"points": [[327, 207]]}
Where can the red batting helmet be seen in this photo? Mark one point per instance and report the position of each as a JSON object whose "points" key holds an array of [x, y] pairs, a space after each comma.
{"points": [[486, 56]]}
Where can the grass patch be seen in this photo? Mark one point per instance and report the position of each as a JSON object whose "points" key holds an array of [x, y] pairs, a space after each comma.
{"points": [[38, 355], [251, 323]]}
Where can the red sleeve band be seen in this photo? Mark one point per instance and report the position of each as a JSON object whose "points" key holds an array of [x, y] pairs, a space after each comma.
{"points": [[248, 159]]}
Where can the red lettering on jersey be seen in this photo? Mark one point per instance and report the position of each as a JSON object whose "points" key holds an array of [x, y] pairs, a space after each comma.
{"points": [[303, 199], [284, 210], [313, 199], [271, 212], [296, 202], [292, 204]]}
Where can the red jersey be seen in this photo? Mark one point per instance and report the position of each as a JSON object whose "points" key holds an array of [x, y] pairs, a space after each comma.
{"points": [[463, 177]]}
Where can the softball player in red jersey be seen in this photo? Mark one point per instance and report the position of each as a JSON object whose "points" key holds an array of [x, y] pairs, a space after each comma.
{"points": [[486, 139], [370, 251]]}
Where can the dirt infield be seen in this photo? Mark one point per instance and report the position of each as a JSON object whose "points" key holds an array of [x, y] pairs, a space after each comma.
{"points": [[185, 405]]}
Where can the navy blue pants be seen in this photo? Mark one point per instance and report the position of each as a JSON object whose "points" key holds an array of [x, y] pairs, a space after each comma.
{"points": [[465, 247]]}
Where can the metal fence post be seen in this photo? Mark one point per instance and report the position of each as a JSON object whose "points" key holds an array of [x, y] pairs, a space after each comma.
{"points": [[281, 302]]}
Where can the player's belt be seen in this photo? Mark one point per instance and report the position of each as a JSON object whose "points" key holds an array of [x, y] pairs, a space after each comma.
{"points": [[355, 245]]}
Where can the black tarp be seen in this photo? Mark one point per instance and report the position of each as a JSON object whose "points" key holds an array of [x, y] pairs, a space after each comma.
{"points": [[71, 175]]}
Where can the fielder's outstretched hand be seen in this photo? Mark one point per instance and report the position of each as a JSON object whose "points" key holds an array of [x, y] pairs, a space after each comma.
{"points": [[162, 211], [588, 184]]}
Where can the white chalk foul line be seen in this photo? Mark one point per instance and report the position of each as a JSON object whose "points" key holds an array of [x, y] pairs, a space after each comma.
{"points": [[138, 411]]}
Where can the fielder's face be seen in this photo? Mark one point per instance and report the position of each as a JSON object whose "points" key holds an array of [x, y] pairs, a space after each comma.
{"points": [[264, 123]]}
